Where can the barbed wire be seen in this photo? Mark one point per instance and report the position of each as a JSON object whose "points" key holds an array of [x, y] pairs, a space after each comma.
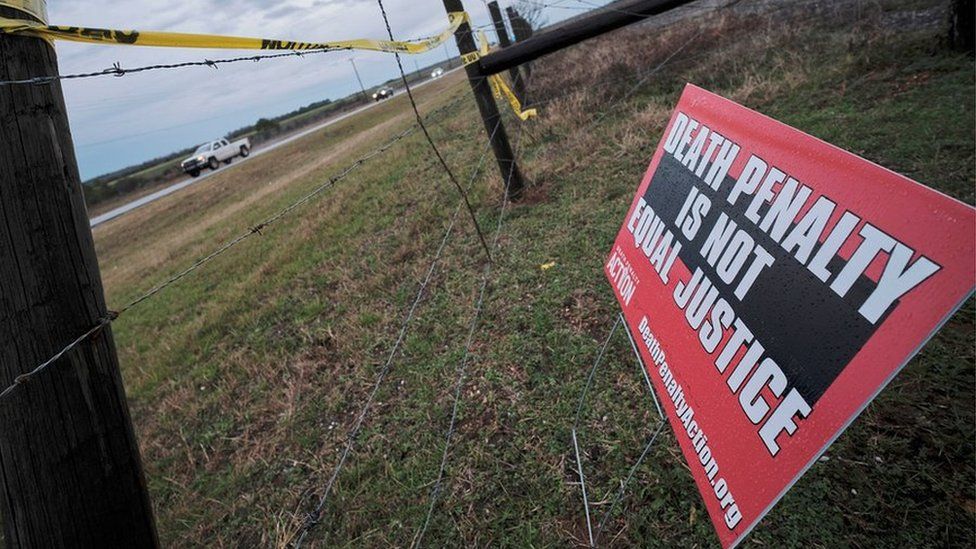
{"points": [[312, 519], [430, 140], [643, 78], [112, 316], [118, 70], [631, 90], [24, 378], [463, 366]]}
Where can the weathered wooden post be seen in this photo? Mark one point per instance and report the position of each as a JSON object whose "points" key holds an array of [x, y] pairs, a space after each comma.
{"points": [[520, 27], [70, 470], [532, 45], [522, 31], [518, 86], [487, 107], [962, 18]]}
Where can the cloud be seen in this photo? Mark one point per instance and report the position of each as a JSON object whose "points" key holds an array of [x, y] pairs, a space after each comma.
{"points": [[117, 122]]}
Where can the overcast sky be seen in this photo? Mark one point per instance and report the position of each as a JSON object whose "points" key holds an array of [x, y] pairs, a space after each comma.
{"points": [[117, 122]]}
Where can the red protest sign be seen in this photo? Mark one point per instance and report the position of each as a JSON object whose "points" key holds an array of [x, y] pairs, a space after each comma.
{"points": [[775, 284]]}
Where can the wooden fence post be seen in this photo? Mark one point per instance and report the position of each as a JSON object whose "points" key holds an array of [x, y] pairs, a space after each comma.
{"points": [[70, 471], [522, 31], [518, 86], [532, 46], [961, 23], [488, 108]]}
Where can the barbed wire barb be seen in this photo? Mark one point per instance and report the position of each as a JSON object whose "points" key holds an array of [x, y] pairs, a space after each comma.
{"points": [[118, 71]]}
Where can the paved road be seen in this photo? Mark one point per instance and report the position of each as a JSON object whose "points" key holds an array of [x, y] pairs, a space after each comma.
{"points": [[122, 210]]}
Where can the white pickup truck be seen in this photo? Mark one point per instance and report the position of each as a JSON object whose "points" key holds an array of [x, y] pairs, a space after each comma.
{"points": [[211, 154]]}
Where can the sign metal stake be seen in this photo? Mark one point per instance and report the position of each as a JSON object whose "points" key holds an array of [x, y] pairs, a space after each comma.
{"points": [[647, 448]]}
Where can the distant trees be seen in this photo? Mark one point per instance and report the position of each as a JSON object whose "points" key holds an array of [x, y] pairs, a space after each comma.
{"points": [[165, 168], [263, 125]]}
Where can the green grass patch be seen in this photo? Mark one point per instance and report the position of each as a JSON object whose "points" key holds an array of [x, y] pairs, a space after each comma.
{"points": [[245, 377]]}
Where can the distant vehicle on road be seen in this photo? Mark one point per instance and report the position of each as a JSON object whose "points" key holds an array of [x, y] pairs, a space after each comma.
{"points": [[437, 73], [212, 153], [383, 93]]}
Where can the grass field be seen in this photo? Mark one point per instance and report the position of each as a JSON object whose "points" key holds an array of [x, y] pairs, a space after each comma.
{"points": [[104, 194], [246, 376]]}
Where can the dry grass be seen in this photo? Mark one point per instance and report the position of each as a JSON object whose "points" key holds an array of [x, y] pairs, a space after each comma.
{"points": [[245, 378], [262, 402], [221, 198]]}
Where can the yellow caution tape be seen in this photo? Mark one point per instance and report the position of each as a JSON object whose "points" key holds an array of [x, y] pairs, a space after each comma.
{"points": [[469, 58], [34, 8], [38, 10], [500, 88], [184, 40]]}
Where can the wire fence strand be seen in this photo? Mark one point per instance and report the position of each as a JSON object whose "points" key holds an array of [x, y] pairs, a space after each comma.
{"points": [[118, 70], [430, 140], [463, 365], [643, 78], [313, 518], [252, 231]]}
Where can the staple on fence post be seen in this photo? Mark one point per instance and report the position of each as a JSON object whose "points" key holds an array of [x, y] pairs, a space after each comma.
{"points": [[518, 85], [487, 107], [72, 476]]}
